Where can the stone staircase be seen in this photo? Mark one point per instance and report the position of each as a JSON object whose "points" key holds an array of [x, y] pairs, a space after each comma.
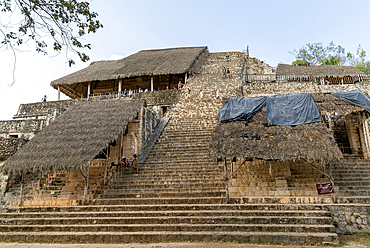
{"points": [[352, 177], [179, 193]]}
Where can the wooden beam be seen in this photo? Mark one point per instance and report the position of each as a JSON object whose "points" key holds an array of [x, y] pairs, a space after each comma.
{"points": [[65, 89]]}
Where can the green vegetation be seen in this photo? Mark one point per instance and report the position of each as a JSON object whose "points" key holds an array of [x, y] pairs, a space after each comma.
{"points": [[58, 23], [316, 54]]}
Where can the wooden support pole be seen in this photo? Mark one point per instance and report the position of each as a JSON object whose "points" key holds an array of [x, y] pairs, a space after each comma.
{"points": [[58, 93], [226, 182], [88, 90], [121, 147], [152, 83], [186, 77], [106, 161], [119, 88], [86, 183]]}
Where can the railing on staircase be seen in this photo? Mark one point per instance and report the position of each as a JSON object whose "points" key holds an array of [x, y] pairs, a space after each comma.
{"points": [[278, 78], [144, 152]]}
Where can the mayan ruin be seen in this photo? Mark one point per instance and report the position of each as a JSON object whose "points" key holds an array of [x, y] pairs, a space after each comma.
{"points": [[228, 148]]}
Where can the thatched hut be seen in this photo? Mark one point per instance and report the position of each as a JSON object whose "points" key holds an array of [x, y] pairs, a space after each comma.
{"points": [[75, 138], [311, 142], [146, 69], [334, 74]]}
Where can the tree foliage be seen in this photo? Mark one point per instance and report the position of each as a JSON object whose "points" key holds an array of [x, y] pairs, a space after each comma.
{"points": [[58, 24], [317, 54]]}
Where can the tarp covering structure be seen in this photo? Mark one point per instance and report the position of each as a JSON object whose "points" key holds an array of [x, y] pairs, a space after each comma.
{"points": [[355, 97], [241, 108], [282, 110], [291, 110]]}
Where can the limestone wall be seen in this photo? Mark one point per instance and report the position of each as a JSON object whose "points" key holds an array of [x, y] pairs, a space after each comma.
{"points": [[259, 178], [41, 109], [161, 97], [25, 129], [351, 217], [9, 146]]}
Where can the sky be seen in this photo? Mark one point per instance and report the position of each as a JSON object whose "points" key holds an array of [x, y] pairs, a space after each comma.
{"points": [[271, 28]]}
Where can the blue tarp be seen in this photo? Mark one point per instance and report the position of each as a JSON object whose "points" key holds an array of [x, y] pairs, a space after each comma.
{"points": [[241, 108], [355, 97], [282, 110], [292, 110]]}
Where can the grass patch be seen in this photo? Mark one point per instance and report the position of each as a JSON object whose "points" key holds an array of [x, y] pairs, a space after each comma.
{"points": [[355, 238]]}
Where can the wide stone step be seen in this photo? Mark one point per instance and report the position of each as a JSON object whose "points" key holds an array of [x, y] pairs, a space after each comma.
{"points": [[175, 154], [171, 161], [160, 191], [160, 201], [177, 207], [189, 138], [182, 144], [354, 192], [208, 213], [158, 178], [200, 185], [163, 194], [162, 173], [189, 131], [170, 228], [138, 237], [284, 220], [176, 167], [352, 183], [178, 184]]}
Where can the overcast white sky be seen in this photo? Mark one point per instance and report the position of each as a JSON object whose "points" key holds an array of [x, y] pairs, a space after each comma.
{"points": [[271, 28]]}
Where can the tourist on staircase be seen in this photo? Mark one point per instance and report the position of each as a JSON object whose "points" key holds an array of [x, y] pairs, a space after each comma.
{"points": [[135, 165], [217, 96], [224, 72]]}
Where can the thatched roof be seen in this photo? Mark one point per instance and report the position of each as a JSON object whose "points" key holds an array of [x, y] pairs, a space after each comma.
{"points": [[318, 71], [311, 142], [327, 103], [145, 62], [75, 137]]}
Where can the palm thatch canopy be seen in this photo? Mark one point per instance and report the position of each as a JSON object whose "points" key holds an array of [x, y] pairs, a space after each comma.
{"points": [[145, 62], [311, 142], [75, 137], [318, 71], [327, 103]]}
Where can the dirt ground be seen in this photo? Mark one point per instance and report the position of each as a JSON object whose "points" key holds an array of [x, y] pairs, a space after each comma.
{"points": [[349, 244], [359, 240]]}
